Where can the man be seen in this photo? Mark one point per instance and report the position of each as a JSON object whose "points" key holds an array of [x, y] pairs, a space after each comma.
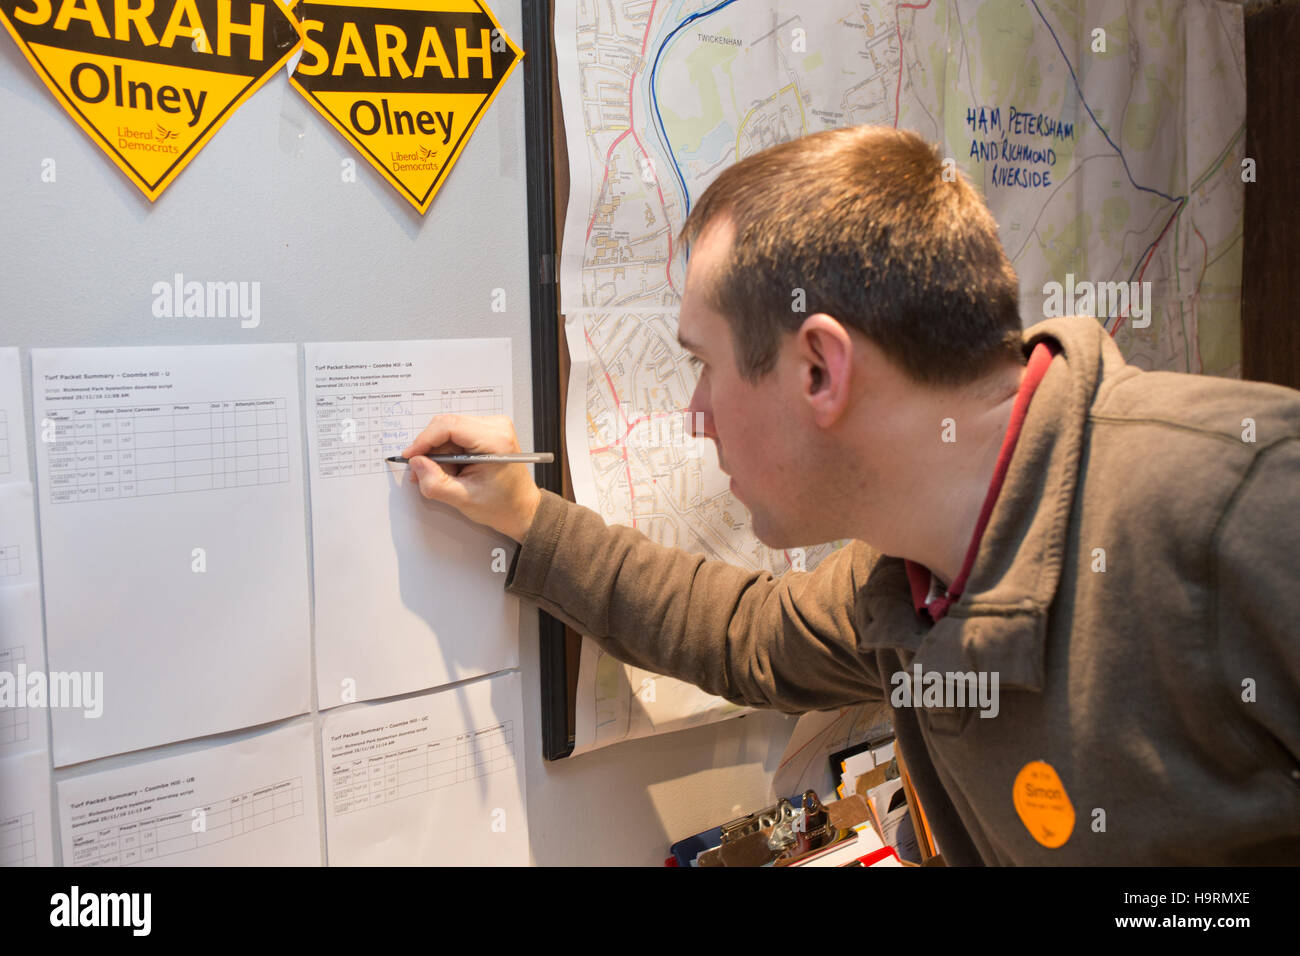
{"points": [[1073, 580]]}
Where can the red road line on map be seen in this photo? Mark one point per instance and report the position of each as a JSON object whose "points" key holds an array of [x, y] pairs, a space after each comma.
{"points": [[898, 29], [1205, 260], [608, 156], [630, 425], [618, 405], [1154, 246], [649, 20], [668, 268], [618, 442]]}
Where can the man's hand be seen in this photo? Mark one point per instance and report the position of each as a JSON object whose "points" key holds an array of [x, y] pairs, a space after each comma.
{"points": [[503, 497]]}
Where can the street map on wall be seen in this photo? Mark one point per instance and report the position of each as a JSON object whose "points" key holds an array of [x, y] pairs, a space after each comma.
{"points": [[1107, 137]]}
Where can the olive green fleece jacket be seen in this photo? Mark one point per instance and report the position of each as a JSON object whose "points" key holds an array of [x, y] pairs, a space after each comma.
{"points": [[1164, 690]]}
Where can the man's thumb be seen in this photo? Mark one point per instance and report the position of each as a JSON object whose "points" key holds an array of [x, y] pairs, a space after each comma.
{"points": [[433, 480]]}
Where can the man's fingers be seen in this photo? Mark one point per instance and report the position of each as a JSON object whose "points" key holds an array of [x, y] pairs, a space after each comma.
{"points": [[464, 433], [434, 482], [436, 433], [415, 463]]}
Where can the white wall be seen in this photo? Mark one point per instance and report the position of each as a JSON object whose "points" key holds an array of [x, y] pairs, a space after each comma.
{"points": [[264, 201]]}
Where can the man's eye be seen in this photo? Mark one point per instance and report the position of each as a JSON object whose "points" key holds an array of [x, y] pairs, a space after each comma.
{"points": [[695, 362]]}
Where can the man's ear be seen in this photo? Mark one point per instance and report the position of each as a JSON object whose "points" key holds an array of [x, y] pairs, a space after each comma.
{"points": [[825, 354]]}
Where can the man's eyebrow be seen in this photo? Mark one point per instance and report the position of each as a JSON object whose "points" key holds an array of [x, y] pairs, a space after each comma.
{"points": [[687, 343]]}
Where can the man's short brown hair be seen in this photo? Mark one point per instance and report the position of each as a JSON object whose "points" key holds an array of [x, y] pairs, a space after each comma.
{"points": [[863, 221]]}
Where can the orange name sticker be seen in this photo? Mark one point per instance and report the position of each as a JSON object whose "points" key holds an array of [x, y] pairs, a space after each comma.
{"points": [[1043, 805]]}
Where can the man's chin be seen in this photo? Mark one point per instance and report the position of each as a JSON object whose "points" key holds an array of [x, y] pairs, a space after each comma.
{"points": [[772, 537], [778, 539], [763, 529]]}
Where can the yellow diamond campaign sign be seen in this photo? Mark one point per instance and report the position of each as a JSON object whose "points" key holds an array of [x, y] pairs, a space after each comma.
{"points": [[150, 81], [406, 81]]}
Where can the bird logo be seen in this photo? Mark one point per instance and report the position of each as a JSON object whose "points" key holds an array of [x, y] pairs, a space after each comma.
{"points": [[162, 134]]}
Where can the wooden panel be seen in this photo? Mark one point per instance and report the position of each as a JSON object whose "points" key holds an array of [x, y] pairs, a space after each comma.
{"points": [[1270, 319], [560, 156]]}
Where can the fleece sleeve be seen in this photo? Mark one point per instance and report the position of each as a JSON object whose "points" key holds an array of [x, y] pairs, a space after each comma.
{"points": [[787, 643], [1257, 612]]}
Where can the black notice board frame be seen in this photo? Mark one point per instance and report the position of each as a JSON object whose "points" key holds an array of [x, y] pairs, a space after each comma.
{"points": [[548, 410]]}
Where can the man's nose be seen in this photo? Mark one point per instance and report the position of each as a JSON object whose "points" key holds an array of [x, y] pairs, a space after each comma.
{"points": [[699, 415], [699, 424]]}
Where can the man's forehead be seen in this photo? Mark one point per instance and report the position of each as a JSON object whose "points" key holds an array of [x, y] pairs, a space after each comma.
{"points": [[696, 322], [697, 319], [710, 250]]}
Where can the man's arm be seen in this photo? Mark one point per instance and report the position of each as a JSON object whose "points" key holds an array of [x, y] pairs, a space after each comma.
{"points": [[1257, 610], [789, 644]]}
